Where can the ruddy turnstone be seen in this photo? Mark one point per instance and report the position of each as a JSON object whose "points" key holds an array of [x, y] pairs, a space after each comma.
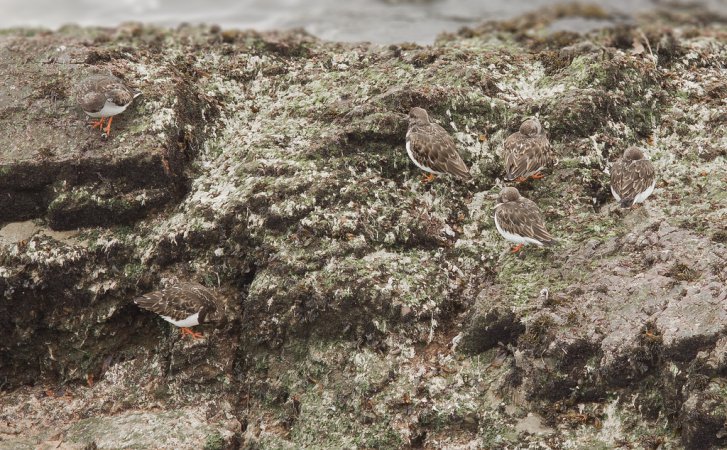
{"points": [[102, 97], [519, 220], [632, 178], [184, 305], [526, 152], [432, 149]]}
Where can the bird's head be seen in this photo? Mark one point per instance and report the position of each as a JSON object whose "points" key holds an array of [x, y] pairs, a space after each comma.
{"points": [[418, 116], [531, 127], [633, 154], [508, 194]]}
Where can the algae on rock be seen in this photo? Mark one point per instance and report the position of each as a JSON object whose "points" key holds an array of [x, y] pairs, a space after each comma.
{"points": [[372, 311]]}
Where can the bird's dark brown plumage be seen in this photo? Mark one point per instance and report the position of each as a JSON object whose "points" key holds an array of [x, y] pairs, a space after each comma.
{"points": [[182, 300], [527, 151], [93, 92], [432, 148], [521, 217], [632, 177]]}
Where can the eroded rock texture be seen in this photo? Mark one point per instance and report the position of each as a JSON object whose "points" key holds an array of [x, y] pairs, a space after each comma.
{"points": [[367, 310]]}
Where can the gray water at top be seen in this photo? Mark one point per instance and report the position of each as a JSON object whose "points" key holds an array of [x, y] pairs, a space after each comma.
{"points": [[380, 21]]}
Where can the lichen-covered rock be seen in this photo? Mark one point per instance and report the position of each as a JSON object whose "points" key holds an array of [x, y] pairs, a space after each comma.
{"points": [[369, 310], [183, 429], [492, 324], [704, 415], [52, 165]]}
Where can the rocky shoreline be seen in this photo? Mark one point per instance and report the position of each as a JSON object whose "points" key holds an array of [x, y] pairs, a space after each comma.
{"points": [[367, 310]]}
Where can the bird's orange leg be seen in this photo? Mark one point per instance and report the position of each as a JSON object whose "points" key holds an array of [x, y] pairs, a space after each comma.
{"points": [[537, 176], [429, 178], [108, 127], [98, 123], [188, 331], [516, 248]]}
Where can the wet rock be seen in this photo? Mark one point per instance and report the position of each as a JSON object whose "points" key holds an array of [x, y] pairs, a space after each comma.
{"points": [[183, 429], [637, 320], [580, 48], [491, 324], [704, 417], [54, 166], [272, 166]]}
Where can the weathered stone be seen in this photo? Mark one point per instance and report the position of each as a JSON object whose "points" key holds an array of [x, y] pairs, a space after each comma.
{"points": [[272, 166], [183, 429], [53, 165], [491, 324]]}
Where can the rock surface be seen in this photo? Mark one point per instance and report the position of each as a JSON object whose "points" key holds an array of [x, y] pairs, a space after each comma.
{"points": [[367, 310]]}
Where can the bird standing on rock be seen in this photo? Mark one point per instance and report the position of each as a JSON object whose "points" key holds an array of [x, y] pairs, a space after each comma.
{"points": [[519, 220], [102, 97], [526, 152], [632, 178], [432, 149], [185, 304]]}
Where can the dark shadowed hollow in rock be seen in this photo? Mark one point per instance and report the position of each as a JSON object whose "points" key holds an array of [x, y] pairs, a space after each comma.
{"points": [[366, 309]]}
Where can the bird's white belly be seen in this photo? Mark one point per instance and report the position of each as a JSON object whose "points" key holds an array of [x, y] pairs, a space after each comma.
{"points": [[641, 198], [109, 109], [516, 238], [411, 156], [188, 322]]}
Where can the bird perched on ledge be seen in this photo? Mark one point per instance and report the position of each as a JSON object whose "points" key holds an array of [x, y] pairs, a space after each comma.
{"points": [[632, 178], [185, 304], [102, 97], [519, 220], [432, 149], [526, 152]]}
